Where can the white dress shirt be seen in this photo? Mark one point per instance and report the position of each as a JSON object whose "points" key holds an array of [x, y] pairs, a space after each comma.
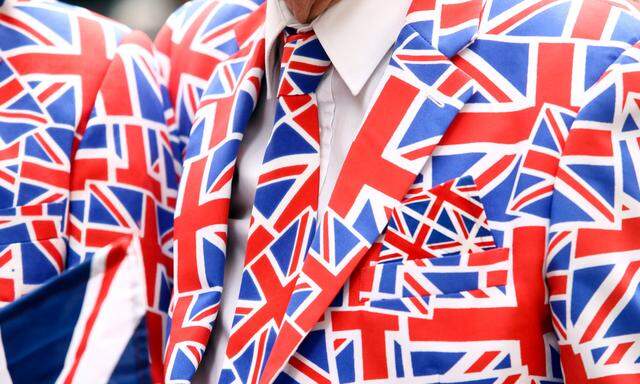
{"points": [[358, 36]]}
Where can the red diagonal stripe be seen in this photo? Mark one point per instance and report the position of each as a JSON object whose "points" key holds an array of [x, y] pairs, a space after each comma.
{"points": [[610, 302], [483, 361]]}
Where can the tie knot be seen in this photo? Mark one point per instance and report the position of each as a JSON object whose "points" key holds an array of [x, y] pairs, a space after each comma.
{"points": [[303, 63]]}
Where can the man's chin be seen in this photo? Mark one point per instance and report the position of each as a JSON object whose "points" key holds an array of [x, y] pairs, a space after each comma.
{"points": [[301, 9], [306, 10], [318, 7]]}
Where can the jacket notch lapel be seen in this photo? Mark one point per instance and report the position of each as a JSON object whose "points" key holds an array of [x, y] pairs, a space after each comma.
{"points": [[420, 94], [223, 113], [201, 216]]}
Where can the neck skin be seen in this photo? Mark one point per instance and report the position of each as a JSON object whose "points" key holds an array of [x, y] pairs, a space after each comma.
{"points": [[306, 10]]}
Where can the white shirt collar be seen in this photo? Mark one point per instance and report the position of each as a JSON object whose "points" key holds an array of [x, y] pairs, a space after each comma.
{"points": [[356, 34]]}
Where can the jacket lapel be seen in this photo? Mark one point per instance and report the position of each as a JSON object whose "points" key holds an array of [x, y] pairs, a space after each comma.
{"points": [[202, 210], [421, 93]]}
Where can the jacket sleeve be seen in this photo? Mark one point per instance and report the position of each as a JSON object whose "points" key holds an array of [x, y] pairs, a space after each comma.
{"points": [[593, 266], [123, 179]]}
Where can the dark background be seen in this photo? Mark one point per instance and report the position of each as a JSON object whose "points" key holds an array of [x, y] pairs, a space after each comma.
{"points": [[145, 15]]}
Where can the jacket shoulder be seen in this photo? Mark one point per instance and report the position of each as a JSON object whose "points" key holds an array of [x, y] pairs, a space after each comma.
{"points": [[59, 25], [609, 22], [206, 27], [196, 38]]}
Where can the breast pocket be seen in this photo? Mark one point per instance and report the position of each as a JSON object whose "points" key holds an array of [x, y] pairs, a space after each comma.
{"points": [[32, 248], [437, 247]]}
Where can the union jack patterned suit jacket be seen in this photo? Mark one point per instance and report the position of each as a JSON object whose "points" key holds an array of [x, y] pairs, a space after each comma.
{"points": [[85, 156], [484, 228]]}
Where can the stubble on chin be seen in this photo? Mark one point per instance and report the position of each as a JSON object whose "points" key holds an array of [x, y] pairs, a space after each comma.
{"points": [[306, 10], [320, 6]]}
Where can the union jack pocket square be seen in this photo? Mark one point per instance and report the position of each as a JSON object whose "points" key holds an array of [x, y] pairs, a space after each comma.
{"points": [[437, 246], [84, 326], [446, 220]]}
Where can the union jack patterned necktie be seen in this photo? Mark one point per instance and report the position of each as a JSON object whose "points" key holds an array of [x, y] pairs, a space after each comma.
{"points": [[284, 214]]}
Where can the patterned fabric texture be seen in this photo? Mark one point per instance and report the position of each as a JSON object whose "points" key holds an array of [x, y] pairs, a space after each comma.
{"points": [[85, 153], [483, 227]]}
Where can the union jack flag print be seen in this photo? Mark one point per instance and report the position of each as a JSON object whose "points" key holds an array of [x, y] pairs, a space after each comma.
{"points": [[446, 220], [85, 154], [482, 228]]}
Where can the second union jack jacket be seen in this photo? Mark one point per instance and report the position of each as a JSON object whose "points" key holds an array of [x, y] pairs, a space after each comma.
{"points": [[85, 162]]}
